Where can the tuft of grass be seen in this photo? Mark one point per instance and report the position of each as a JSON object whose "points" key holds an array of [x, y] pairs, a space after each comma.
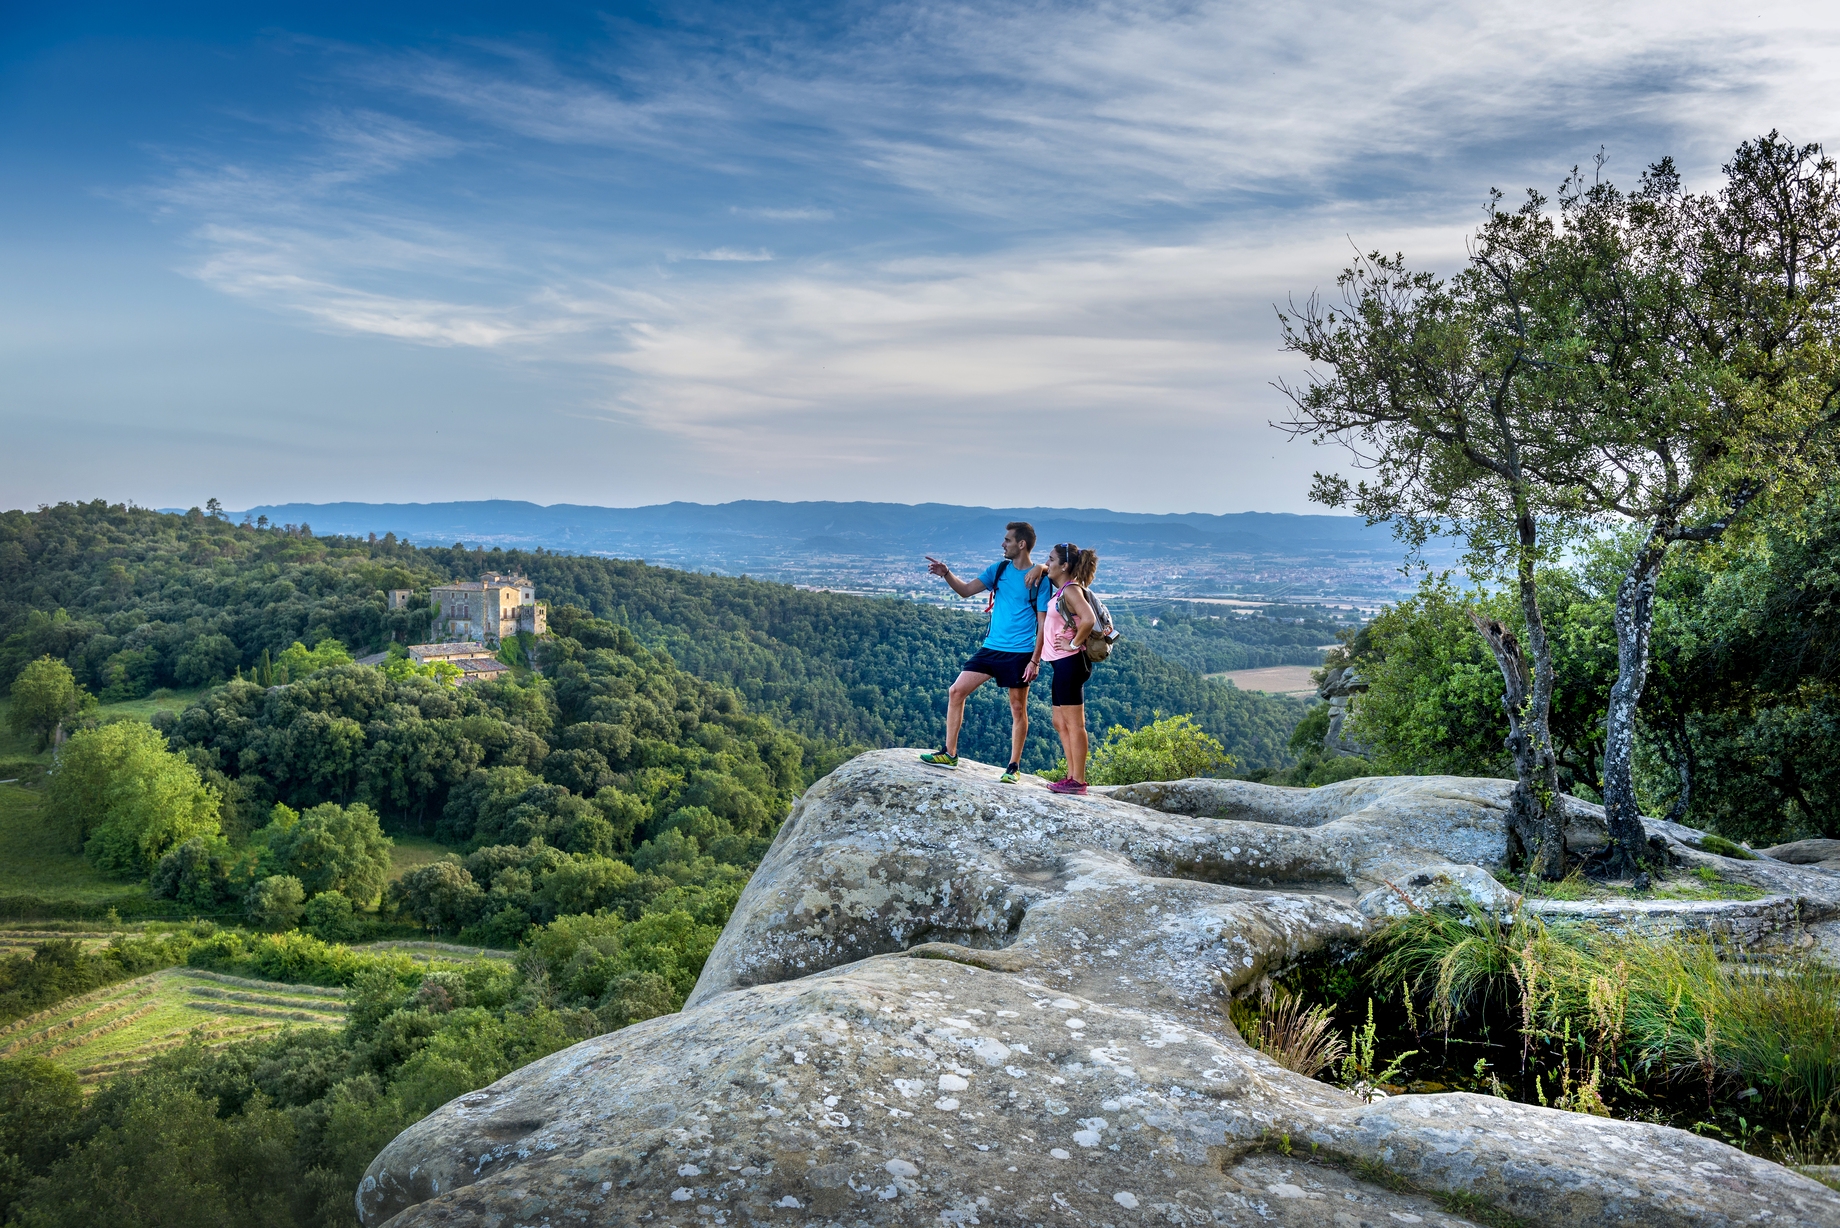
{"points": [[1470, 1205], [1481, 1210], [1295, 1036], [1705, 883], [1680, 1009]]}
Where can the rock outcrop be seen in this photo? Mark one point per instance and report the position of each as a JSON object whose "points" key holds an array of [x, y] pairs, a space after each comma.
{"points": [[1823, 853], [1337, 689], [946, 1000]]}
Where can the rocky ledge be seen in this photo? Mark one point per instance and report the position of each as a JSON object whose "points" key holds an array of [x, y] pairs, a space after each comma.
{"points": [[946, 1000]]}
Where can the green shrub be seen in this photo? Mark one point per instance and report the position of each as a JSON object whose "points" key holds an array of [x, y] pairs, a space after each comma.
{"points": [[39, 1100], [295, 956], [1169, 748], [331, 848], [328, 916], [45, 696], [276, 902]]}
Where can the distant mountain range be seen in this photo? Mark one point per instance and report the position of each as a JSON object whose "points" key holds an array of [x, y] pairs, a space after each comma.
{"points": [[803, 541]]}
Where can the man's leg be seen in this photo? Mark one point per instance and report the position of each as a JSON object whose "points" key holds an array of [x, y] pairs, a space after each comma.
{"points": [[962, 687], [1018, 722]]}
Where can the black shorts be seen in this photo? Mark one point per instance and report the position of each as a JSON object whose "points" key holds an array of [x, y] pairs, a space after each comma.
{"points": [[1070, 675], [1005, 667]]}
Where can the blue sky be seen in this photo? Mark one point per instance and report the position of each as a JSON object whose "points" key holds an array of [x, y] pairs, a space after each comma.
{"points": [[994, 253]]}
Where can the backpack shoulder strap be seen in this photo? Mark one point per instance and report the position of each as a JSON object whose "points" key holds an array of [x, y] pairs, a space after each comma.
{"points": [[990, 603]]}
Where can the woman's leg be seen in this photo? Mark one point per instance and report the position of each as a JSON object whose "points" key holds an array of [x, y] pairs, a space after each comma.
{"points": [[1060, 731], [1073, 738]]}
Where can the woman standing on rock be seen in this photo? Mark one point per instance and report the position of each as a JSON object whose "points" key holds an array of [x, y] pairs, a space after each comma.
{"points": [[1062, 642]]}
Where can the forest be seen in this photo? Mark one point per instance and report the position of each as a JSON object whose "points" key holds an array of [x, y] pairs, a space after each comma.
{"points": [[134, 600], [280, 817]]}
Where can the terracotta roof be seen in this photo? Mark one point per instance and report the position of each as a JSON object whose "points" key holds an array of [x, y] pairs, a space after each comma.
{"points": [[454, 649]]}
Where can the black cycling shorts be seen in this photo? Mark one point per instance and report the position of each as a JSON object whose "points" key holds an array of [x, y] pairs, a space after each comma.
{"points": [[1070, 675], [1005, 667]]}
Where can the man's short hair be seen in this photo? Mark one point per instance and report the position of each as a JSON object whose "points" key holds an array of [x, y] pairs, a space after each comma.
{"points": [[1024, 531]]}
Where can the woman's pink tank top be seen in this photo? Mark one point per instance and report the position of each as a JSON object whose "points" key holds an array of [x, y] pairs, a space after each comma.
{"points": [[1057, 631]]}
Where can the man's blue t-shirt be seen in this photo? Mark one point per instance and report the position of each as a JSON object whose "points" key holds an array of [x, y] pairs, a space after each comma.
{"points": [[1012, 616]]}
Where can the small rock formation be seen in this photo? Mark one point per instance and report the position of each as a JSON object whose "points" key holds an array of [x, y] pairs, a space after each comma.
{"points": [[946, 1000], [1823, 853], [1338, 687]]}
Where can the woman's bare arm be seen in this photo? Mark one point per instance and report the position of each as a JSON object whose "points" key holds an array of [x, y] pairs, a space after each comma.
{"points": [[1084, 620]]}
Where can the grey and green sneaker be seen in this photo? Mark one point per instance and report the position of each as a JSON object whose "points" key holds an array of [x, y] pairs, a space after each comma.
{"points": [[1011, 775], [940, 758]]}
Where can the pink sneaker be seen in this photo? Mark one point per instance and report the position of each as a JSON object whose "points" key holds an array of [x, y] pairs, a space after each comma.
{"points": [[1069, 785]]}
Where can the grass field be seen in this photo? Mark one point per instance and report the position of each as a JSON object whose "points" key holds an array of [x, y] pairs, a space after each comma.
{"points": [[412, 851], [32, 864], [433, 952], [25, 939], [1273, 679], [121, 1028], [163, 700]]}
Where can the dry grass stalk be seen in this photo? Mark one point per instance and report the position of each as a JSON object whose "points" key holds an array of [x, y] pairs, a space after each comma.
{"points": [[1296, 1037]]}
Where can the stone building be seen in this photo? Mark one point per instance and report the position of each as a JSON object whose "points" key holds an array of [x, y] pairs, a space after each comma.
{"points": [[399, 598], [490, 609], [474, 660]]}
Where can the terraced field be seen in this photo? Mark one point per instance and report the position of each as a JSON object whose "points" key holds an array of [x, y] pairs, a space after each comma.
{"points": [[433, 952], [24, 941], [121, 1028]]}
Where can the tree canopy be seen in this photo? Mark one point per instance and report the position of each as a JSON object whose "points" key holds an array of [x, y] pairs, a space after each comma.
{"points": [[122, 797], [45, 697]]}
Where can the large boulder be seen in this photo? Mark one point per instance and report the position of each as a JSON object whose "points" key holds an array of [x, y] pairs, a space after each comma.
{"points": [[946, 1000], [1819, 852]]}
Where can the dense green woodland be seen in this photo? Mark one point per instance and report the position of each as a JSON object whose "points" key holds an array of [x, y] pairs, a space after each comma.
{"points": [[134, 599]]}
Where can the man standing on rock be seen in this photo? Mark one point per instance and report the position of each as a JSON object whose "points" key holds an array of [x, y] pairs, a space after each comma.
{"points": [[1016, 610]]}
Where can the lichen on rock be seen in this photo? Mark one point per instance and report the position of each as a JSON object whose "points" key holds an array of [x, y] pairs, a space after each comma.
{"points": [[946, 1000]]}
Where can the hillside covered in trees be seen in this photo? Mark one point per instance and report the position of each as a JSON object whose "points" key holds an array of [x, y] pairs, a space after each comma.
{"points": [[135, 600]]}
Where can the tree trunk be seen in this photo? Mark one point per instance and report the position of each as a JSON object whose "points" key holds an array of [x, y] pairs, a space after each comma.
{"points": [[1634, 618], [1536, 814], [1684, 767]]}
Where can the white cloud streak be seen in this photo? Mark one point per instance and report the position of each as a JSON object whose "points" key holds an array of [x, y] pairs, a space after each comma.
{"points": [[1110, 198]]}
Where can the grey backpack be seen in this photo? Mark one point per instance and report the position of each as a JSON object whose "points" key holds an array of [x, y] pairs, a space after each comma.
{"points": [[1104, 634]]}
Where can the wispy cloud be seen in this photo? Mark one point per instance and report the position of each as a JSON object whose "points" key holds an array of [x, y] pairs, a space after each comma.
{"points": [[806, 214], [1042, 219], [733, 254]]}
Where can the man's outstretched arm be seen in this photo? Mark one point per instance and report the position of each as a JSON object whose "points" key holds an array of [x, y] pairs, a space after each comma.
{"points": [[964, 588]]}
